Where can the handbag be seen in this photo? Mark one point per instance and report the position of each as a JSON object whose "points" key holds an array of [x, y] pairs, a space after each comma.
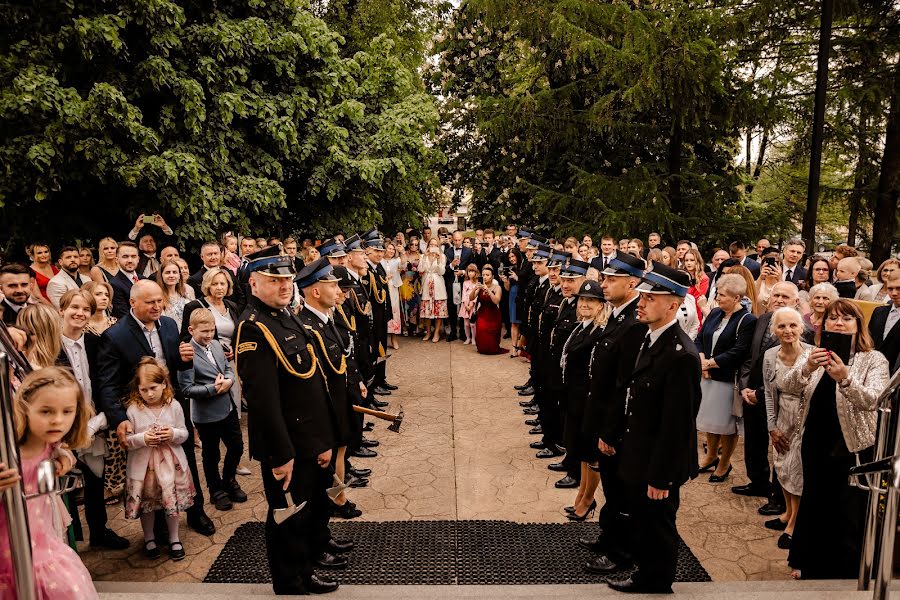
{"points": [[457, 292]]}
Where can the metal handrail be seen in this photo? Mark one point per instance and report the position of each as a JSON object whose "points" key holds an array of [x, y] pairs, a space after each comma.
{"points": [[14, 498], [876, 562]]}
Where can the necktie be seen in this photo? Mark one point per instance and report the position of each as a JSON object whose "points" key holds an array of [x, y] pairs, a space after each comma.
{"points": [[78, 281], [643, 349], [789, 275], [134, 278]]}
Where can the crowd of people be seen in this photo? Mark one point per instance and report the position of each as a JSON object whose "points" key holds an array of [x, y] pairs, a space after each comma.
{"points": [[125, 367]]}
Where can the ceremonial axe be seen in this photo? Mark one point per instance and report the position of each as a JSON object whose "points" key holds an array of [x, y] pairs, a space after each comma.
{"points": [[334, 492], [280, 515], [397, 419]]}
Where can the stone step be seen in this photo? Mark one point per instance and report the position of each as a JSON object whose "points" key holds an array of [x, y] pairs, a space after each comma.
{"points": [[743, 590]]}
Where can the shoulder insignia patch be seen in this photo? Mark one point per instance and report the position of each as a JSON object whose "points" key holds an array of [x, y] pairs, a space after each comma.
{"points": [[246, 347], [678, 347]]}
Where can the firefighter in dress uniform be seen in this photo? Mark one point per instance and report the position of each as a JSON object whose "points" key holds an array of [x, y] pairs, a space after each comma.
{"points": [[293, 440]]}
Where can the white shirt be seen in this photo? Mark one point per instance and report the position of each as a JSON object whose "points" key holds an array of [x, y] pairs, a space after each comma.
{"points": [[77, 354], [130, 276], [654, 335], [892, 318], [542, 279], [784, 274], [319, 314], [153, 339], [606, 258]]}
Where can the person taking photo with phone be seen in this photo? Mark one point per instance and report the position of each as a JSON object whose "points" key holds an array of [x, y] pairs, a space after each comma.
{"points": [[839, 381]]}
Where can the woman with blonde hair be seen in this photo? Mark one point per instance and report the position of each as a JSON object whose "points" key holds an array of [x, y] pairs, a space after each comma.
{"points": [[751, 298], [44, 344], [877, 290], [433, 308], [102, 293], [108, 266], [174, 295]]}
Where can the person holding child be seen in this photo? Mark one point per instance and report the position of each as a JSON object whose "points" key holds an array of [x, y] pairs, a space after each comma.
{"points": [[210, 385], [51, 417]]}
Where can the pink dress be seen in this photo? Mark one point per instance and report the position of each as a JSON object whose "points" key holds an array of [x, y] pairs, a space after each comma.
{"points": [[468, 306], [58, 572]]}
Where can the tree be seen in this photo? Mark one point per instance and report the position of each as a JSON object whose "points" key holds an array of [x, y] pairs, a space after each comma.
{"points": [[228, 115]]}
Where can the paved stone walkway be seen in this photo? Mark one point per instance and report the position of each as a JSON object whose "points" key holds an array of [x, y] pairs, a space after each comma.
{"points": [[463, 454]]}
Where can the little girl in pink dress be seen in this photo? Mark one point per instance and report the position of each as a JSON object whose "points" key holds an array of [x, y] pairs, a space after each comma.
{"points": [[51, 417], [468, 306]]}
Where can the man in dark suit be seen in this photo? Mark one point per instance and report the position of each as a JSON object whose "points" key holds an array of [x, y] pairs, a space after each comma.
{"points": [[603, 415], [144, 331], [15, 286], [739, 253], [751, 386], [791, 256], [458, 258], [127, 256], [293, 440], [489, 252], [884, 326], [658, 451]]}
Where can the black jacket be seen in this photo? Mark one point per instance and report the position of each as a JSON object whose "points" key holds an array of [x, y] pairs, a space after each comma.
{"points": [[121, 348], [289, 413], [603, 417], [732, 347], [888, 345], [566, 321], [121, 300], [542, 364], [659, 444]]}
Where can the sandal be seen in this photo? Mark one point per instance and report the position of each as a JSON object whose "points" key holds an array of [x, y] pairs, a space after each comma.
{"points": [[176, 551], [151, 553]]}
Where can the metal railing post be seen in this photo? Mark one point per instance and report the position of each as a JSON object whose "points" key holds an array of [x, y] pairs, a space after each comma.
{"points": [[14, 498]]}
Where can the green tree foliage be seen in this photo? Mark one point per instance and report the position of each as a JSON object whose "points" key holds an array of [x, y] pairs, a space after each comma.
{"points": [[238, 115]]}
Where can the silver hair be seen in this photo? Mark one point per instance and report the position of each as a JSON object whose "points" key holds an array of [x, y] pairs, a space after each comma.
{"points": [[785, 310]]}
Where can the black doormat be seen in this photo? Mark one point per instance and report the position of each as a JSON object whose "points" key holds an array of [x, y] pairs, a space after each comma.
{"points": [[443, 553]]}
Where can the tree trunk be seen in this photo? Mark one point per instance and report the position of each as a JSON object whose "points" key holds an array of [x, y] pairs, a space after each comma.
{"points": [[674, 163], [760, 158], [886, 199], [861, 173], [748, 150]]}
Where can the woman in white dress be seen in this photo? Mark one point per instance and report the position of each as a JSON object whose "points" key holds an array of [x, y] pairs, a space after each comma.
{"points": [[391, 264], [784, 413], [433, 307]]}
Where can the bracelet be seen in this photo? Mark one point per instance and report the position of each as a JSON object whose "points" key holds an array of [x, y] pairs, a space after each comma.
{"points": [[845, 382]]}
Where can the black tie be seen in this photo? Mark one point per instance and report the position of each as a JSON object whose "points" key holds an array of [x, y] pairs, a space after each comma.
{"points": [[604, 262], [789, 275], [643, 349]]}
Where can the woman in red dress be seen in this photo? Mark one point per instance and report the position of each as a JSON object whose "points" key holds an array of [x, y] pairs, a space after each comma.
{"points": [[42, 271], [489, 322]]}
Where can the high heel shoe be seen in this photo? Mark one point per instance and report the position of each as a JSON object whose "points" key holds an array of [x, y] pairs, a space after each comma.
{"points": [[710, 467], [569, 510], [590, 513], [720, 478]]}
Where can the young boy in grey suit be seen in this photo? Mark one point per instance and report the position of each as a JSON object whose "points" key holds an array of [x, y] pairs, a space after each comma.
{"points": [[208, 384]]}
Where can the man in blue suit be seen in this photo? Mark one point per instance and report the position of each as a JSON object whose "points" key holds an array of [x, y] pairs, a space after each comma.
{"points": [[144, 331], [127, 257], [458, 258], [792, 255]]}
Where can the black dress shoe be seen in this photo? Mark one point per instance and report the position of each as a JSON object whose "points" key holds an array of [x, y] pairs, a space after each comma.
{"points": [[364, 453], [529, 391], [593, 544], [340, 546], [533, 422], [389, 386], [359, 472], [602, 565], [770, 509], [558, 467], [566, 483], [358, 482], [176, 551], [784, 541], [345, 511], [776, 524], [548, 453], [530, 410], [234, 491], [519, 388], [536, 430], [630, 586], [527, 403], [750, 490], [199, 522], [369, 443], [537, 445], [109, 539], [330, 561], [320, 585], [221, 500], [381, 391], [369, 426], [378, 404]]}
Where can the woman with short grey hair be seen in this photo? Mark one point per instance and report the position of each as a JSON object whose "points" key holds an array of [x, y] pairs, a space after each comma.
{"points": [[820, 296], [723, 343]]}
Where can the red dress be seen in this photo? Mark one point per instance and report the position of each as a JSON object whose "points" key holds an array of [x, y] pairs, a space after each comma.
{"points": [[488, 326], [43, 280]]}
